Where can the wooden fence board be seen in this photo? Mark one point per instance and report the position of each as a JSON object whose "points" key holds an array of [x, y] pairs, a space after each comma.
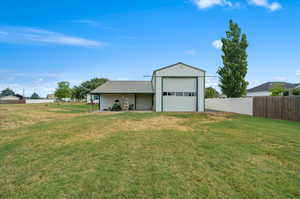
{"points": [[285, 108]]}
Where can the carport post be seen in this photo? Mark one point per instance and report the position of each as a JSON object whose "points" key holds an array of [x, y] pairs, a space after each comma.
{"points": [[134, 101], [99, 102]]}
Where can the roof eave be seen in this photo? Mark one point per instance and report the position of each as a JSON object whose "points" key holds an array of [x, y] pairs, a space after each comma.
{"points": [[137, 92]]}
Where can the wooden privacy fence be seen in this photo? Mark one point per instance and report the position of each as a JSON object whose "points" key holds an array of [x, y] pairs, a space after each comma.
{"points": [[285, 108]]}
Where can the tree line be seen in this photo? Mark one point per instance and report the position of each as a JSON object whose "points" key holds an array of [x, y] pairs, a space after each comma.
{"points": [[9, 92], [78, 92]]}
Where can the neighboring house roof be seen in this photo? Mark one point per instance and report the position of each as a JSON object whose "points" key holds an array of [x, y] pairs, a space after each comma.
{"points": [[177, 64], [50, 96], [124, 87], [268, 85], [19, 96]]}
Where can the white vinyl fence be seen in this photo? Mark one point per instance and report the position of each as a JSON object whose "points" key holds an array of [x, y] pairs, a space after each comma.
{"points": [[233, 105], [38, 101]]}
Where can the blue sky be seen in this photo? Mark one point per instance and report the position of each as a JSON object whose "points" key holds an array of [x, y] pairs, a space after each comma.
{"points": [[43, 42]]}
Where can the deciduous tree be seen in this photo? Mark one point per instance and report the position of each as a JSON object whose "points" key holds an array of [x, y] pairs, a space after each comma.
{"points": [[63, 90], [35, 96], [80, 92], [277, 89], [7, 92], [296, 91], [210, 92]]}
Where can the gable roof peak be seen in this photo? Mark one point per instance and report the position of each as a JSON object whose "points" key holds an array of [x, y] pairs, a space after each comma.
{"points": [[169, 66]]}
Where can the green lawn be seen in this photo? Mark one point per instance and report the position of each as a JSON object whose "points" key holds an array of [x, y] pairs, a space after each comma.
{"points": [[76, 154]]}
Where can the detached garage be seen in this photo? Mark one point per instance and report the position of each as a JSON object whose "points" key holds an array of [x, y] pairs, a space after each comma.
{"points": [[178, 87]]}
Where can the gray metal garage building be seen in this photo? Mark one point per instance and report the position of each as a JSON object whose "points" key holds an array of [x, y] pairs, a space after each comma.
{"points": [[178, 87]]}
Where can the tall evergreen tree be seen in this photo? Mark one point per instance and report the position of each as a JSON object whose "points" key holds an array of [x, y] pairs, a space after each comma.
{"points": [[235, 65]]}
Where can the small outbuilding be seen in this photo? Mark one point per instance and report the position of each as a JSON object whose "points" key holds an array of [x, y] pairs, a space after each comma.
{"points": [[12, 99], [178, 87]]}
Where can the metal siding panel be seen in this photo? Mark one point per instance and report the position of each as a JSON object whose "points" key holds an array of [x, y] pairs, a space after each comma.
{"points": [[158, 94], [201, 94]]}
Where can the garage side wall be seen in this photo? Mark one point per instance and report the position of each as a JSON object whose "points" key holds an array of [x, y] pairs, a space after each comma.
{"points": [[201, 93]]}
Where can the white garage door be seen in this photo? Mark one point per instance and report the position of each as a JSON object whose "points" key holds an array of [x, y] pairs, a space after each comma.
{"points": [[179, 94]]}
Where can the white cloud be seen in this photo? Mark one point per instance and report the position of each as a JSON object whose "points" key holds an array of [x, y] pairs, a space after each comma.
{"points": [[204, 4], [191, 52], [42, 83], [212, 81], [298, 72], [26, 35], [217, 44], [275, 6], [265, 3], [280, 78]]}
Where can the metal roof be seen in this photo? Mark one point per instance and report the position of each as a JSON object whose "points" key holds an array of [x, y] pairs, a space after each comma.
{"points": [[124, 87], [268, 85]]}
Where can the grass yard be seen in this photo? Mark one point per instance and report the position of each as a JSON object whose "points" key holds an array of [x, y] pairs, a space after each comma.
{"points": [[63, 151]]}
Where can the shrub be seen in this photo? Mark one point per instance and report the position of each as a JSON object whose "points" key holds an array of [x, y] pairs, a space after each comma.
{"points": [[211, 93], [277, 89], [116, 107], [296, 91]]}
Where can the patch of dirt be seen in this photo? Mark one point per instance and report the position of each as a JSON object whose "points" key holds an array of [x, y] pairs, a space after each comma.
{"points": [[107, 112], [162, 122], [216, 117], [14, 116], [260, 159], [32, 117], [97, 132], [155, 123], [274, 146]]}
